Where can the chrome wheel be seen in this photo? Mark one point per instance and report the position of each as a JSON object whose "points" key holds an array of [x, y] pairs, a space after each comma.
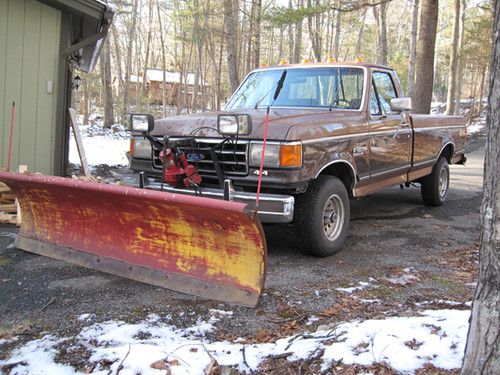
{"points": [[333, 217], [443, 182]]}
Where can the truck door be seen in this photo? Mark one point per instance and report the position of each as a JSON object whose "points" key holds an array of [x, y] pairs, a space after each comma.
{"points": [[390, 136]]}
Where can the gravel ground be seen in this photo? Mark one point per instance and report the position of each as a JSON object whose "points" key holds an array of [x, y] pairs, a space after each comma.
{"points": [[394, 239]]}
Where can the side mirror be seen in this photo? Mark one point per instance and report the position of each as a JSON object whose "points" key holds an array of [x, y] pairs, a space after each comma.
{"points": [[400, 104], [141, 123]]}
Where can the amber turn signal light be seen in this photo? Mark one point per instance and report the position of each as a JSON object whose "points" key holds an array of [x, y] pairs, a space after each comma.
{"points": [[291, 155], [132, 147]]}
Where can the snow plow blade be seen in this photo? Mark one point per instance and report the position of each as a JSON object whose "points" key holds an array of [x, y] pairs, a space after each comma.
{"points": [[200, 246]]}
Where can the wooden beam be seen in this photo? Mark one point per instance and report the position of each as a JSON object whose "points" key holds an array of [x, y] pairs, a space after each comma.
{"points": [[79, 142]]}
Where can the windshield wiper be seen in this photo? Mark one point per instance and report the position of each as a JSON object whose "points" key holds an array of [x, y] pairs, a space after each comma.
{"points": [[279, 86]]}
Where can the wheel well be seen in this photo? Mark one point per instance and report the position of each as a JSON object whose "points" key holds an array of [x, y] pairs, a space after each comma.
{"points": [[447, 152], [344, 172]]}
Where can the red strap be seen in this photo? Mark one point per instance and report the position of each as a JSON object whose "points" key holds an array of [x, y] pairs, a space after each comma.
{"points": [[261, 168]]}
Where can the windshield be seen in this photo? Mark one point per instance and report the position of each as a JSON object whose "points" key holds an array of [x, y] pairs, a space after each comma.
{"points": [[336, 88]]}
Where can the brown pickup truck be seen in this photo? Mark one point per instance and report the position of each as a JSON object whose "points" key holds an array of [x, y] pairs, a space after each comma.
{"points": [[335, 131]]}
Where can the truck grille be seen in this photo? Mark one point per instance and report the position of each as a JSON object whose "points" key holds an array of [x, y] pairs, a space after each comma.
{"points": [[232, 157]]}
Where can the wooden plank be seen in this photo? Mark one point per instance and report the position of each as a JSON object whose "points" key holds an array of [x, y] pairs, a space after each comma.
{"points": [[79, 142], [7, 218], [9, 208]]}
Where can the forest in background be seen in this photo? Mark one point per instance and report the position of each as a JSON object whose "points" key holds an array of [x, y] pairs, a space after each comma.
{"points": [[219, 41]]}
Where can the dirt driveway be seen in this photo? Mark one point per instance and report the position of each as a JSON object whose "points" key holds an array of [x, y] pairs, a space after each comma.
{"points": [[399, 255]]}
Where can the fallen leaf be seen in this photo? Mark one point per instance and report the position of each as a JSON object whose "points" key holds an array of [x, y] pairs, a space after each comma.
{"points": [[173, 362], [213, 368], [159, 365]]}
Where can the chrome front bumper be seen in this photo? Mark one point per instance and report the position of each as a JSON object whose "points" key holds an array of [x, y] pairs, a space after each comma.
{"points": [[273, 208]]}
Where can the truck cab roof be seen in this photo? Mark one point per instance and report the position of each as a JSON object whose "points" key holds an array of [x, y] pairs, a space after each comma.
{"points": [[323, 65]]}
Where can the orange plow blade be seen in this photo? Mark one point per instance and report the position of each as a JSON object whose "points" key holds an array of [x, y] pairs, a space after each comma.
{"points": [[200, 246]]}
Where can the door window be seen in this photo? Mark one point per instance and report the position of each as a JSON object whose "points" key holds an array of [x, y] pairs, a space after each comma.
{"points": [[384, 90], [374, 106]]}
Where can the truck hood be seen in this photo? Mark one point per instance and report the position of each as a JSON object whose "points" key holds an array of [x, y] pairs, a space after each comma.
{"points": [[284, 123]]}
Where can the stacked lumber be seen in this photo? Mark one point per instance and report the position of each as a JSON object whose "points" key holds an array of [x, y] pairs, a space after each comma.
{"points": [[8, 205]]}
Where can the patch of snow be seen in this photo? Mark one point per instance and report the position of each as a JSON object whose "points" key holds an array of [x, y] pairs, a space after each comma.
{"points": [[386, 341], [361, 285], [440, 301], [84, 317], [101, 150], [442, 334], [402, 280], [8, 341], [478, 126], [371, 300], [311, 320], [221, 312]]}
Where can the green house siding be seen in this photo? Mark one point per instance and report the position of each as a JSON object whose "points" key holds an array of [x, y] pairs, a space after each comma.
{"points": [[29, 58]]}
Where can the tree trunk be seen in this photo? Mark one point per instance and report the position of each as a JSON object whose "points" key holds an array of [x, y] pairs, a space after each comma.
{"points": [[357, 51], [148, 46], [163, 63], [452, 78], [297, 47], [128, 62], [424, 66], [86, 99], [250, 33], [105, 65], [482, 352], [413, 49], [256, 43], [117, 62], [460, 63], [336, 41], [231, 30], [382, 33], [481, 90]]}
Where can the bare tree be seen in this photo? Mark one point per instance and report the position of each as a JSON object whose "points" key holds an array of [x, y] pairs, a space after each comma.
{"points": [[148, 46], [105, 65], [482, 352], [163, 62], [256, 32], [357, 50], [336, 42], [452, 78], [231, 30], [297, 47], [413, 48], [460, 62], [382, 33], [424, 66], [128, 61]]}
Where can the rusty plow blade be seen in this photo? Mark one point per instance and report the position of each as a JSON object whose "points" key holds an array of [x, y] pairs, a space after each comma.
{"points": [[205, 247]]}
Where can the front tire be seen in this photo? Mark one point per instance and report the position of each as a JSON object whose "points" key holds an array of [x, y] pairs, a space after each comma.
{"points": [[434, 187], [322, 216]]}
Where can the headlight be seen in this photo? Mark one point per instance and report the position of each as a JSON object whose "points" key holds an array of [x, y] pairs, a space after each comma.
{"points": [[140, 148], [141, 122], [278, 155], [234, 124]]}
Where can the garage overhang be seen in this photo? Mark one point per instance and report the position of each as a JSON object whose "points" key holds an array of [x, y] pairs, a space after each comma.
{"points": [[90, 21]]}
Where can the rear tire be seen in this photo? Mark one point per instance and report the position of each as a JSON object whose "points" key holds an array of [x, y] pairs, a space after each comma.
{"points": [[322, 217], [434, 187]]}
